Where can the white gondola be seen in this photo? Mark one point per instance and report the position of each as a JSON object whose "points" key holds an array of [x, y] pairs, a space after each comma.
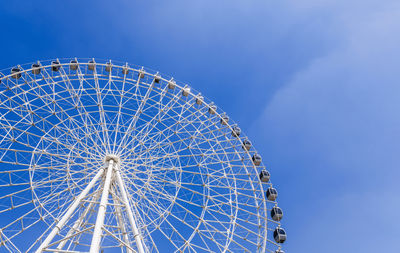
{"points": [[73, 65], [157, 78], [199, 99], [16, 73], [236, 131], [264, 176], [141, 73], [185, 91], [125, 69], [91, 65], [256, 159], [55, 66], [276, 213], [224, 120], [279, 251], [171, 84], [246, 145], [279, 235], [271, 194], [36, 68], [109, 67], [212, 109]]}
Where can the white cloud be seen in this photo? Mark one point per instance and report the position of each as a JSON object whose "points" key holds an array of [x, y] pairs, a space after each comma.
{"points": [[335, 128]]}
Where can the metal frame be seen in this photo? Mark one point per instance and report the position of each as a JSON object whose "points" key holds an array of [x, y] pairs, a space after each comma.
{"points": [[168, 159], [70, 211]]}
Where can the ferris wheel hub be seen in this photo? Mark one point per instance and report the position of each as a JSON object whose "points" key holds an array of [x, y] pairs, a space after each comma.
{"points": [[109, 157]]}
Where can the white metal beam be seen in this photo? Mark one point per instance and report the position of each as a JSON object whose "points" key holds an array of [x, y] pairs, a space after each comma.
{"points": [[136, 234], [96, 239], [78, 222], [70, 211], [121, 223]]}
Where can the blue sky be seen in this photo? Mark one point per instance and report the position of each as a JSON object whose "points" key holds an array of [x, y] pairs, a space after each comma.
{"points": [[314, 84]]}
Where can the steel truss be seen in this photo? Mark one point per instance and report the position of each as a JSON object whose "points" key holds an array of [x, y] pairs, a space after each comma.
{"points": [[99, 155]]}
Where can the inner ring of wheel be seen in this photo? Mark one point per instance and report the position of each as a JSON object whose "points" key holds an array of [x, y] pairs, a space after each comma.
{"points": [[75, 164]]}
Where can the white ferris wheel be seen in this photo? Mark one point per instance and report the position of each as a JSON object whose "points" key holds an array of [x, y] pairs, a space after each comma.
{"points": [[99, 156]]}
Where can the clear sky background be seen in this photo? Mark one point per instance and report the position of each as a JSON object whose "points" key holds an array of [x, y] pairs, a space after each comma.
{"points": [[313, 83]]}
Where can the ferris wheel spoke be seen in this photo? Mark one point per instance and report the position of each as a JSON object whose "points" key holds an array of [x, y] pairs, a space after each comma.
{"points": [[155, 208], [152, 121], [101, 109], [176, 142], [178, 236], [46, 182], [201, 220], [82, 107], [169, 128], [158, 189], [52, 201], [53, 99], [173, 101], [27, 134], [24, 222], [56, 126], [132, 124], [122, 92]]}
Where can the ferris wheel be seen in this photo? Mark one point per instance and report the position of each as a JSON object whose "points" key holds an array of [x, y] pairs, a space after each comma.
{"points": [[101, 156]]}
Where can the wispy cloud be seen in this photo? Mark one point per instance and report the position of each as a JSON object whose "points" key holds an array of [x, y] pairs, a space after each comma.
{"points": [[333, 131]]}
